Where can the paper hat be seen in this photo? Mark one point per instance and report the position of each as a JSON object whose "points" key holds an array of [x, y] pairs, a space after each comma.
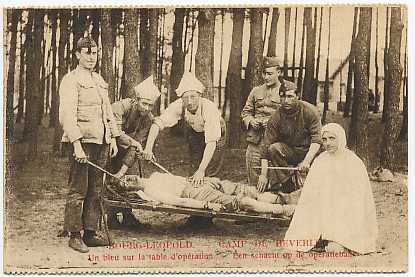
{"points": [[147, 90], [189, 82]]}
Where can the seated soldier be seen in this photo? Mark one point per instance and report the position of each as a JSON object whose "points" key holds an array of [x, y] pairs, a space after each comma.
{"points": [[292, 137], [213, 194]]}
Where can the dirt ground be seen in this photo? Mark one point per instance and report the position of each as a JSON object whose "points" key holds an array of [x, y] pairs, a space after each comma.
{"points": [[34, 203]]}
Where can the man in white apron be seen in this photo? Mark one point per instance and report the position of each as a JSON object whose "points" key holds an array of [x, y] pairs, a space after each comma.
{"points": [[205, 132], [204, 128]]}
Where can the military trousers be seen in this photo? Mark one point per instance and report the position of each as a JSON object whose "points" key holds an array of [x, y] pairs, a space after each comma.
{"points": [[82, 210], [283, 155], [252, 160]]}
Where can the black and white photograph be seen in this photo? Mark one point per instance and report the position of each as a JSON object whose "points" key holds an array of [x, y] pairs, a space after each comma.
{"points": [[175, 139]]}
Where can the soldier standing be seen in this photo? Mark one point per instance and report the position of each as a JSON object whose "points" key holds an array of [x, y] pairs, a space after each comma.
{"points": [[89, 130], [261, 103]]}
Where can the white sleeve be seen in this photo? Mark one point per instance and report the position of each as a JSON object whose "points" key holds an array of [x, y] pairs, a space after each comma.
{"points": [[171, 115], [212, 119]]}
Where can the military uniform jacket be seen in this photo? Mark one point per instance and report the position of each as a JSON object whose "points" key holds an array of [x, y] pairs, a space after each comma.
{"points": [[133, 125], [85, 111], [261, 104], [297, 130]]}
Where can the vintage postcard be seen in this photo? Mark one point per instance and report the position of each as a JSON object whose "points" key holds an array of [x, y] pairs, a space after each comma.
{"points": [[206, 139]]}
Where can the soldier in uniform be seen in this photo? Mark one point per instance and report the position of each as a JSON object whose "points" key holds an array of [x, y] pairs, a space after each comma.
{"points": [[90, 131], [261, 103], [292, 138], [134, 119]]}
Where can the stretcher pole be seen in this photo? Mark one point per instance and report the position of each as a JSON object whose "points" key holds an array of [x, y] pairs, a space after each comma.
{"points": [[279, 168], [101, 205], [160, 166]]}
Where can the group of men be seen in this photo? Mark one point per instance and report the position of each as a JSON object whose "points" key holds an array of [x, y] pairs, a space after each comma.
{"points": [[281, 129]]}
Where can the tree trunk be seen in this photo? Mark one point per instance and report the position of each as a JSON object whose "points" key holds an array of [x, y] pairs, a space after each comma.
{"points": [[326, 81], [79, 26], [386, 68], [300, 72], [287, 16], [144, 51], [68, 59], [42, 82], [319, 50], [350, 73], [272, 42], [15, 15], [22, 77], [29, 71], [359, 121], [132, 66], [153, 29], [53, 120], [35, 95], [64, 16], [107, 50], [295, 43], [387, 156], [220, 64], [191, 42], [177, 60], [376, 104], [204, 53], [76, 34], [369, 49], [161, 48], [253, 72], [96, 18], [403, 135], [153, 33], [233, 78], [308, 88], [116, 20]]}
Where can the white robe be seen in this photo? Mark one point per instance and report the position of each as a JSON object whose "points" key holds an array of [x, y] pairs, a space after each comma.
{"points": [[337, 204]]}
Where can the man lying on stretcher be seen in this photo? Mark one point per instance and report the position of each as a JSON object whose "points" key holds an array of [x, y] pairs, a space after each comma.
{"points": [[213, 194]]}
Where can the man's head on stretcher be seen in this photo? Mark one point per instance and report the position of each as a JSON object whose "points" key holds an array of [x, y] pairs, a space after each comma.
{"points": [[215, 194]]}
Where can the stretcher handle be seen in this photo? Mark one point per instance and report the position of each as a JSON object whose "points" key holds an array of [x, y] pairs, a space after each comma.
{"points": [[279, 168], [161, 167], [106, 172]]}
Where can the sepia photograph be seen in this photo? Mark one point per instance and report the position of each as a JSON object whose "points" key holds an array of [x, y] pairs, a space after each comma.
{"points": [[177, 139]]}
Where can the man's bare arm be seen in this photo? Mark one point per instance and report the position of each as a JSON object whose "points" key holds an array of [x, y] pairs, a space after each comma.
{"points": [[312, 152]]}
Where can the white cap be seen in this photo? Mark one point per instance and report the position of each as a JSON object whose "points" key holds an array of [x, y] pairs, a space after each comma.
{"points": [[146, 89], [189, 82]]}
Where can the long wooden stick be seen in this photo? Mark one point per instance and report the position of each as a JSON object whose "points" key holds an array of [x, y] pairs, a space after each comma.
{"points": [[160, 166], [280, 168]]}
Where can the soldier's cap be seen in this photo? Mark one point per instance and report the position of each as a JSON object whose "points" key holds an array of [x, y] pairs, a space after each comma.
{"points": [[271, 62], [86, 42], [287, 86]]}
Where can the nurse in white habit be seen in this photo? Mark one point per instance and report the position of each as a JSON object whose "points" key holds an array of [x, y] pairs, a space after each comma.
{"points": [[336, 207]]}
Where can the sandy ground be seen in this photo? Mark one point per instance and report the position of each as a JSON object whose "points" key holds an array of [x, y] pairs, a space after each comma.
{"points": [[35, 197]]}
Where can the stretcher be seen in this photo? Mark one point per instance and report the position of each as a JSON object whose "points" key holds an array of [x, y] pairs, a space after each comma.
{"points": [[112, 198], [109, 199]]}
